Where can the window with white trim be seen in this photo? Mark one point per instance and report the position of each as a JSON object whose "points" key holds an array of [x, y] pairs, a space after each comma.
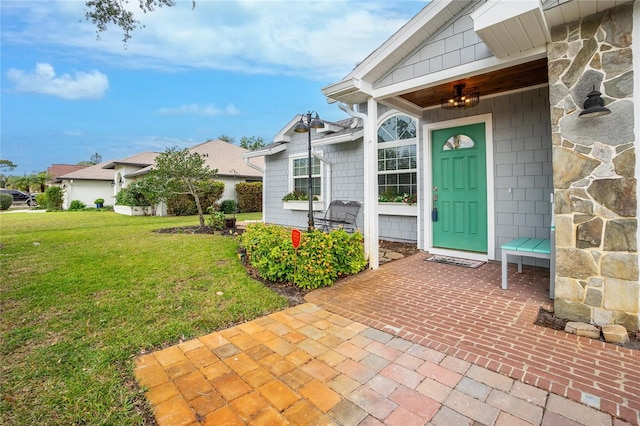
{"points": [[397, 158], [299, 176]]}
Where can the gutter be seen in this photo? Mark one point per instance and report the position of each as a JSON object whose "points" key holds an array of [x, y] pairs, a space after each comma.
{"points": [[253, 166]]}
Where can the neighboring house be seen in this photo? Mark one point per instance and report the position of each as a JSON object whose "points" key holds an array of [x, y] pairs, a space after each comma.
{"points": [[219, 155], [86, 185], [57, 170], [486, 172]]}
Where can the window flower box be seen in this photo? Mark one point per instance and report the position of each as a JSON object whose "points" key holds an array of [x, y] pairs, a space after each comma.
{"points": [[302, 205], [397, 209]]}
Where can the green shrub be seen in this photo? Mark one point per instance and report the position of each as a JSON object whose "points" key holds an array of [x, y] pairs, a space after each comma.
{"points": [[5, 201], [216, 219], [77, 205], [298, 196], [319, 261], [99, 201], [41, 199], [249, 196], [55, 196], [229, 206]]}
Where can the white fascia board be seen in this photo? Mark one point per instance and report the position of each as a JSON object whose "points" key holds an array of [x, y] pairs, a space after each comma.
{"points": [[429, 12], [498, 11], [283, 134], [338, 139], [456, 73], [508, 27], [346, 88], [264, 152], [328, 127]]}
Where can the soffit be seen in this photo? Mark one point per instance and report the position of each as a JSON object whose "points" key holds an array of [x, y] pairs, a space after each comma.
{"points": [[407, 46], [507, 27], [356, 86], [558, 12], [490, 83]]}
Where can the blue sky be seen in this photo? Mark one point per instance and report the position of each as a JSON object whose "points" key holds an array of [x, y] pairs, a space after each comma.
{"points": [[235, 68]]}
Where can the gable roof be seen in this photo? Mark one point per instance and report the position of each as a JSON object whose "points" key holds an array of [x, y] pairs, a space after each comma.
{"points": [[142, 159], [357, 85], [220, 155], [96, 172], [226, 158], [334, 132], [504, 38], [57, 170]]}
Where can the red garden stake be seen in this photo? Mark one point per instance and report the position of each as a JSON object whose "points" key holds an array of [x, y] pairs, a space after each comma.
{"points": [[295, 241], [295, 238]]}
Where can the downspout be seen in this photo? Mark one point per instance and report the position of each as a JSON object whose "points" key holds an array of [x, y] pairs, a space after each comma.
{"points": [[327, 180], [253, 166], [370, 207]]}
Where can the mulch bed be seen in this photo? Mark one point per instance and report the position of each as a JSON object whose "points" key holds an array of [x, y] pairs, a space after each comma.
{"points": [[229, 232], [295, 294], [406, 249]]}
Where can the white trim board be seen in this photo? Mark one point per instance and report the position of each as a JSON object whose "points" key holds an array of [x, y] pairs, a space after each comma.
{"points": [[427, 167]]}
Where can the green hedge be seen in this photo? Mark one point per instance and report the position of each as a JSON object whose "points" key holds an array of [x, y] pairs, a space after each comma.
{"points": [[249, 196], [320, 260]]}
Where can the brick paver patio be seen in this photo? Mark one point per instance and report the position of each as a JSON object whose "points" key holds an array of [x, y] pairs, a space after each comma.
{"points": [[411, 343]]}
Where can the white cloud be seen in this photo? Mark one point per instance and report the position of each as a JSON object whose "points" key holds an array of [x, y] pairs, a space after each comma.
{"points": [[195, 109], [43, 80], [320, 40], [74, 133]]}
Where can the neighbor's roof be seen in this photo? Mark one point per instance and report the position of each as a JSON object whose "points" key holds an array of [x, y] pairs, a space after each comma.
{"points": [[57, 170], [220, 155], [97, 172], [226, 158], [143, 159]]}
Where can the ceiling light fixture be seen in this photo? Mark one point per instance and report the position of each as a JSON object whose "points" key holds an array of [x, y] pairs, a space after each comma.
{"points": [[460, 98]]}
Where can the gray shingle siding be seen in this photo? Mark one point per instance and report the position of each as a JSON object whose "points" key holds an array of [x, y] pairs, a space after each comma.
{"points": [[522, 162], [346, 180], [455, 44], [398, 228]]}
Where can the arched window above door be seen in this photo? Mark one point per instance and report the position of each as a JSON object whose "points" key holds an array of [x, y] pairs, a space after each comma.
{"points": [[458, 142]]}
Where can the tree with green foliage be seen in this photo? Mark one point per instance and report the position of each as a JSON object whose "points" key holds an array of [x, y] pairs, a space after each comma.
{"points": [[93, 160], [251, 143], [181, 172], [7, 165], [38, 181], [19, 182], [102, 13], [146, 193], [228, 139]]}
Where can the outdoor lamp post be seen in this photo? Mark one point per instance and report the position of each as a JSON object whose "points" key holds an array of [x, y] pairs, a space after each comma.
{"points": [[302, 127]]}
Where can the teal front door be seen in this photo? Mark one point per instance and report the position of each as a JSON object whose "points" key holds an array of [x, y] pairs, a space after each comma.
{"points": [[459, 188]]}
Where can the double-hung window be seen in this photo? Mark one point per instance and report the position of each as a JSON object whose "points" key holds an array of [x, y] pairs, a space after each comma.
{"points": [[397, 158], [300, 175]]}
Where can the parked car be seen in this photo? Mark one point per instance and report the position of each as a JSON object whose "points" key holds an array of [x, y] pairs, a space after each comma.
{"points": [[20, 197]]}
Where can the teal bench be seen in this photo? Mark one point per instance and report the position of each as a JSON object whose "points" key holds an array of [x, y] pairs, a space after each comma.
{"points": [[525, 247]]}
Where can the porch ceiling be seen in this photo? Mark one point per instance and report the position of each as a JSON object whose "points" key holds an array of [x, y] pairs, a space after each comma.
{"points": [[503, 80]]}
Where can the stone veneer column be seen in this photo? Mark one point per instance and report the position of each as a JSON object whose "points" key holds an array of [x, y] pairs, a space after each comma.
{"points": [[594, 171]]}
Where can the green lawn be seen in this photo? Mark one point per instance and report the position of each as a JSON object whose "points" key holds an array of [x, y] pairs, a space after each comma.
{"points": [[83, 293]]}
